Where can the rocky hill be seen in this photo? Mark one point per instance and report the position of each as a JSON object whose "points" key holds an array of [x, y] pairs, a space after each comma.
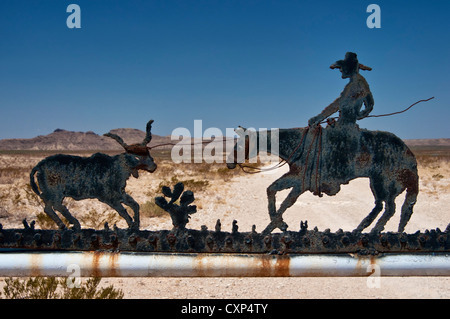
{"points": [[61, 140]]}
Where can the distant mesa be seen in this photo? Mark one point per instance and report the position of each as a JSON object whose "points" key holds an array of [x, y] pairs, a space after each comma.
{"points": [[63, 140], [429, 142]]}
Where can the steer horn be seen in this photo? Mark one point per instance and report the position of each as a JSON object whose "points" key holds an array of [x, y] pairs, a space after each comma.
{"points": [[148, 136], [117, 138], [138, 149]]}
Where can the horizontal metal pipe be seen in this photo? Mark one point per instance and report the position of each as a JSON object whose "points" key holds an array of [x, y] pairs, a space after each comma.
{"points": [[110, 264]]}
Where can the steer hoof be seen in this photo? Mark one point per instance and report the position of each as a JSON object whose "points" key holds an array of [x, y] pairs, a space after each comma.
{"points": [[76, 227]]}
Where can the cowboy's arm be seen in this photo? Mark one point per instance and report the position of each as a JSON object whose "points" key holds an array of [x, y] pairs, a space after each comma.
{"points": [[368, 103], [329, 110]]}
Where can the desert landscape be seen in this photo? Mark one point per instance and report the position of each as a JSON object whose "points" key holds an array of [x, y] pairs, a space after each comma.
{"points": [[233, 195]]}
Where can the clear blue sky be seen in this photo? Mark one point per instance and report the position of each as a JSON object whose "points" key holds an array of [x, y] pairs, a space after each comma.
{"points": [[253, 63]]}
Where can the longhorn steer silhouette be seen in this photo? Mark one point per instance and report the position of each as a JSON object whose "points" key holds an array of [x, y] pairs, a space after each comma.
{"points": [[99, 176]]}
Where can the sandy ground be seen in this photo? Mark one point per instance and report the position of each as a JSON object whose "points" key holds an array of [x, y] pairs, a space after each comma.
{"points": [[243, 198]]}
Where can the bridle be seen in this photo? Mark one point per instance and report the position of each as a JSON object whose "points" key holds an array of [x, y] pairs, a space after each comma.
{"points": [[281, 163], [317, 136]]}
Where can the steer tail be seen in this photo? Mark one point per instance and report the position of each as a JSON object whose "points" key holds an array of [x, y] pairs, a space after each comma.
{"points": [[411, 181], [33, 184]]}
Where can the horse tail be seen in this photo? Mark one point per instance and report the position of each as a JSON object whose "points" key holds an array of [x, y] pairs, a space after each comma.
{"points": [[410, 180], [33, 184]]}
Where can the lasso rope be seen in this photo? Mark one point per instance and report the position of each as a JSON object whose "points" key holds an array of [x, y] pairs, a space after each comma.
{"points": [[381, 115], [306, 129], [389, 114]]}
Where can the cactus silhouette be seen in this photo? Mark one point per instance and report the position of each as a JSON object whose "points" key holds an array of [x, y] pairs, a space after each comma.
{"points": [[178, 213]]}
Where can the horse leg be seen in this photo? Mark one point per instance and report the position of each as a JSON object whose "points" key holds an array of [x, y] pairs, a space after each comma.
{"points": [[290, 199], [286, 181], [371, 217], [387, 214], [412, 191], [407, 210], [375, 211]]}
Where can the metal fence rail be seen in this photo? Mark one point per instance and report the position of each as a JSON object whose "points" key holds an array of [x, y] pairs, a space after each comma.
{"points": [[125, 264]]}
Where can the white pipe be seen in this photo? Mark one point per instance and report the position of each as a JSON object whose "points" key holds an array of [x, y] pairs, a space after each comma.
{"points": [[108, 264]]}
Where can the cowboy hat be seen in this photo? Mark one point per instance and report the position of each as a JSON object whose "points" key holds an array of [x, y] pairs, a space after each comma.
{"points": [[349, 63]]}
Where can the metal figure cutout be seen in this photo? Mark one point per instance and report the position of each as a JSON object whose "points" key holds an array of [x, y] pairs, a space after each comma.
{"points": [[99, 176], [180, 214], [355, 94], [320, 160]]}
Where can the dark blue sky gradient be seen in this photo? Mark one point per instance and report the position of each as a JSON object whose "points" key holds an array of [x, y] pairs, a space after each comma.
{"points": [[258, 64]]}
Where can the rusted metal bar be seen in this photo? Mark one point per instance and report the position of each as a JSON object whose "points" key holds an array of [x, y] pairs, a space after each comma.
{"points": [[177, 240], [124, 264]]}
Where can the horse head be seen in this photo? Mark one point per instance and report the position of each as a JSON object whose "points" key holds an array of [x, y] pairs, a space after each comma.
{"points": [[245, 147]]}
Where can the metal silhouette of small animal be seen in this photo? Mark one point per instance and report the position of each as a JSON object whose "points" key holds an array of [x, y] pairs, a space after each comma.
{"points": [[99, 176]]}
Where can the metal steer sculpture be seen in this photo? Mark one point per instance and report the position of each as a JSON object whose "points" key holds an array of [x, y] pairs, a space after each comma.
{"points": [[99, 176]]}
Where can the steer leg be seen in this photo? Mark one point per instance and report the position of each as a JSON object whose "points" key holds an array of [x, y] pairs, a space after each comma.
{"points": [[65, 212], [128, 200], [122, 212], [51, 213]]}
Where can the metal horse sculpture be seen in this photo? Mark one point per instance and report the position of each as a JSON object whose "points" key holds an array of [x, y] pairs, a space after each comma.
{"points": [[380, 156], [100, 176], [321, 159]]}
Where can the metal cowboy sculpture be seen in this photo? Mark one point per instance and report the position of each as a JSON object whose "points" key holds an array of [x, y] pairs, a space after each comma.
{"points": [[322, 159]]}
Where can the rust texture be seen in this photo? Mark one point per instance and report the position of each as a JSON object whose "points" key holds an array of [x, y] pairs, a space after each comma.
{"points": [[217, 241]]}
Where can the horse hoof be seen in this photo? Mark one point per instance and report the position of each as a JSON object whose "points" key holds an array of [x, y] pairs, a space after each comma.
{"points": [[283, 227], [267, 230], [375, 232], [134, 226], [275, 224]]}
